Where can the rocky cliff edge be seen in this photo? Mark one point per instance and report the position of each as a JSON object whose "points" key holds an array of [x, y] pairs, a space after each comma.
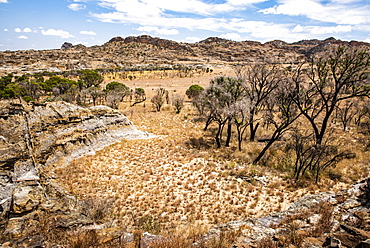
{"points": [[36, 136]]}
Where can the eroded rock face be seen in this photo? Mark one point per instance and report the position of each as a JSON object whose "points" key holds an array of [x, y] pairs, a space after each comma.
{"points": [[34, 136]]}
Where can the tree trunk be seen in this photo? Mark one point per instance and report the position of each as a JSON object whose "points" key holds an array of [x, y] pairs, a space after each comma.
{"points": [[229, 133], [253, 131], [274, 137], [218, 136], [208, 122]]}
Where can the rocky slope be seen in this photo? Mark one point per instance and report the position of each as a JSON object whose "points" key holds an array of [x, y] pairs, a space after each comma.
{"points": [[34, 137], [321, 220], [146, 51]]}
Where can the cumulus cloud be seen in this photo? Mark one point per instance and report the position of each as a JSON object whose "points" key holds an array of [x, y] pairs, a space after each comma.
{"points": [[192, 39], [231, 36], [338, 12], [6, 30], [163, 31], [76, 6], [22, 37], [88, 32], [168, 17], [298, 29], [323, 30], [3, 1], [27, 30], [17, 30], [59, 32], [330, 30], [150, 8]]}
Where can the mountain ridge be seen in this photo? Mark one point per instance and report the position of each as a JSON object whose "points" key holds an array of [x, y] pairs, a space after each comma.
{"points": [[144, 50]]}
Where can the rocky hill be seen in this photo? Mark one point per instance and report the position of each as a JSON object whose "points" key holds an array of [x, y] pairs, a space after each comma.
{"points": [[144, 51]]}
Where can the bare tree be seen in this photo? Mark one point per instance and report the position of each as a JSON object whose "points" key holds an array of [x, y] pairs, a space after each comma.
{"points": [[240, 112], [313, 158], [280, 114], [260, 80], [95, 93], [346, 112], [178, 102], [159, 98], [218, 98], [338, 76], [113, 99]]}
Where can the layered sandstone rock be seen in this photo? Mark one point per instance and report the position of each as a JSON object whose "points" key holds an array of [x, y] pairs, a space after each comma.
{"points": [[35, 136]]}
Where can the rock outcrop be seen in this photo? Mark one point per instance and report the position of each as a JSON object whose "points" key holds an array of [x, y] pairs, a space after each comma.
{"points": [[146, 39], [321, 220], [36, 136], [66, 45]]}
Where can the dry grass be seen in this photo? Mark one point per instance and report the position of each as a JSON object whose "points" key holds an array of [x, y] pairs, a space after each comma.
{"points": [[179, 178], [170, 181]]}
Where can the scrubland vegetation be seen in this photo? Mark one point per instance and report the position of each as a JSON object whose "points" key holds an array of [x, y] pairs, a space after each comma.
{"points": [[244, 146]]}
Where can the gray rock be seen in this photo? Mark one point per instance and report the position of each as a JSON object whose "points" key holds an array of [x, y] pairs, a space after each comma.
{"points": [[331, 242], [66, 45], [26, 198]]}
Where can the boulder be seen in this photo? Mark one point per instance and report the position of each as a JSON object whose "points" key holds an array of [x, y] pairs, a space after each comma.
{"points": [[66, 45]]}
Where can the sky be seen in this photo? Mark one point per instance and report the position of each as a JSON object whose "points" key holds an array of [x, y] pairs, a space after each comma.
{"points": [[47, 24]]}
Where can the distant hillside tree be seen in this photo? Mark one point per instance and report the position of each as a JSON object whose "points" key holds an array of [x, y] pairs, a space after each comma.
{"points": [[194, 91], [139, 96], [116, 92], [91, 78]]}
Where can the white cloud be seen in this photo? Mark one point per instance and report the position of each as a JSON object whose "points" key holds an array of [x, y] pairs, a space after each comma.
{"points": [[88, 32], [163, 31], [192, 39], [17, 30], [6, 30], [3, 1], [27, 30], [166, 17], [150, 8], [338, 12], [22, 37], [231, 36], [76, 6], [54, 32], [330, 30], [298, 29], [81, 42], [322, 30]]}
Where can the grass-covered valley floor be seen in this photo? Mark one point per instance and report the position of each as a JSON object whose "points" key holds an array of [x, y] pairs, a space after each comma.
{"points": [[178, 179]]}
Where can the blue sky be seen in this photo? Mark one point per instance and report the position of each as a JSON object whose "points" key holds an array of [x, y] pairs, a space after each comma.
{"points": [[47, 24]]}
